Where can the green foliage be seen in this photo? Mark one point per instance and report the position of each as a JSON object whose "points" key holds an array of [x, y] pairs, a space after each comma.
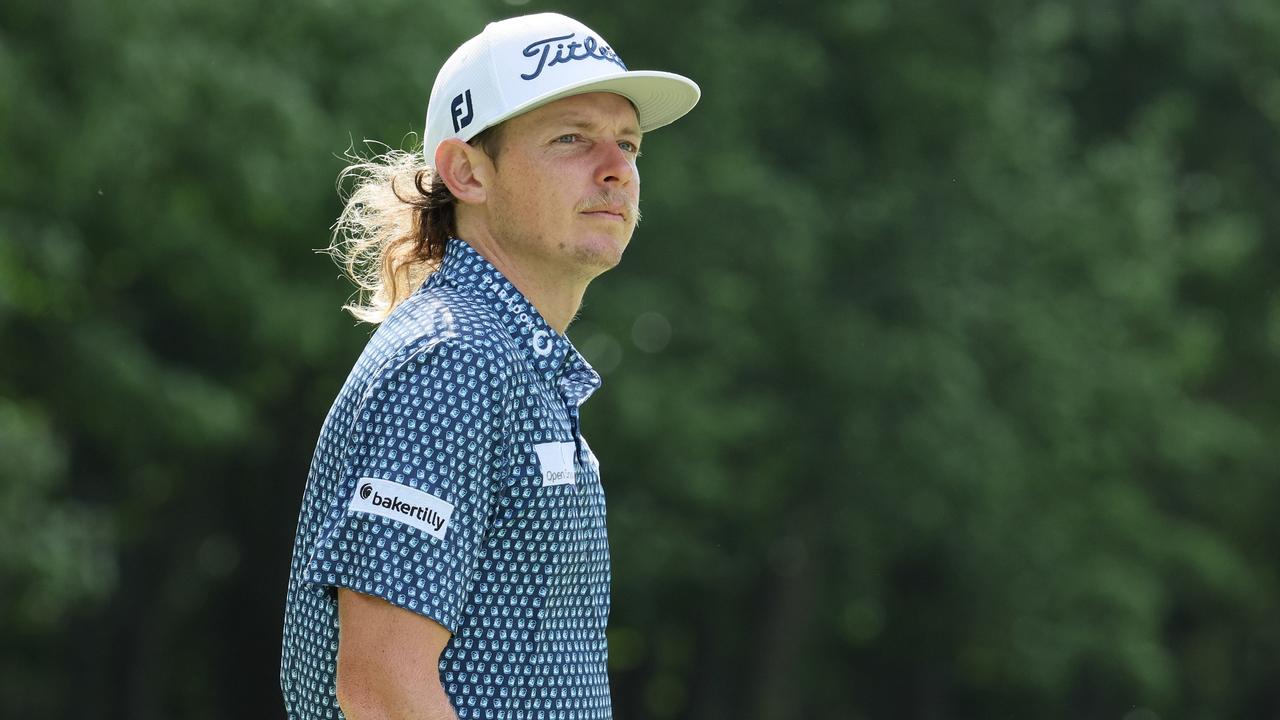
{"points": [[52, 552], [938, 377]]}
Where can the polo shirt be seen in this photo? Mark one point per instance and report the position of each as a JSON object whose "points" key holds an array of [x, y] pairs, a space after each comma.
{"points": [[451, 479]]}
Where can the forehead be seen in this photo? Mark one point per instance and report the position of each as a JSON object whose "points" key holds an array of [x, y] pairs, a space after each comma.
{"points": [[602, 110]]}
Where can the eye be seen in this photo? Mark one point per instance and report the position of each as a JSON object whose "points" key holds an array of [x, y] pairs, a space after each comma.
{"points": [[630, 147], [568, 139]]}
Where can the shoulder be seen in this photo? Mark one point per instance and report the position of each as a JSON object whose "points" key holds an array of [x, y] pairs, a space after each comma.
{"points": [[446, 331]]}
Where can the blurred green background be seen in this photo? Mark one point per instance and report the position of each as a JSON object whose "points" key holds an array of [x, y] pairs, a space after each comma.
{"points": [[939, 379]]}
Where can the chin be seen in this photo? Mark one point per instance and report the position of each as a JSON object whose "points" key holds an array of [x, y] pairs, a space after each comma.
{"points": [[600, 253]]}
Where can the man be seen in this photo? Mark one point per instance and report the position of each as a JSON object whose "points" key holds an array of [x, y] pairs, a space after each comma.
{"points": [[451, 557]]}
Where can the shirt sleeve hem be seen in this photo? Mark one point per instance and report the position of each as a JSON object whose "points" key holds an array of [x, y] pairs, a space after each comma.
{"points": [[392, 592]]}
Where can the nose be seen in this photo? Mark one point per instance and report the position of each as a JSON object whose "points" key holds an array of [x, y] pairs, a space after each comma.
{"points": [[616, 167]]}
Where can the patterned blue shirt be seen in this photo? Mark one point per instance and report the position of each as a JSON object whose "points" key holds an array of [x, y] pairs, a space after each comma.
{"points": [[451, 479]]}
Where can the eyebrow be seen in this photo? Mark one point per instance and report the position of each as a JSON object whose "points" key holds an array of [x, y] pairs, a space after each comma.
{"points": [[581, 123]]}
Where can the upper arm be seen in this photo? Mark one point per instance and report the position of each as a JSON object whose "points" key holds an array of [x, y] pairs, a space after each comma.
{"points": [[406, 526], [417, 481], [388, 660]]}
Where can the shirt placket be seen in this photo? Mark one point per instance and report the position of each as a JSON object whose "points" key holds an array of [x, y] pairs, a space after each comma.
{"points": [[572, 394]]}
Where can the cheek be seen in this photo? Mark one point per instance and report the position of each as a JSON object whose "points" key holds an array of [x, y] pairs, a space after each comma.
{"points": [[543, 193], [531, 202]]}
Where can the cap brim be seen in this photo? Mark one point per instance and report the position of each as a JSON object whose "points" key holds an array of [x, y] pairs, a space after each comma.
{"points": [[660, 98]]}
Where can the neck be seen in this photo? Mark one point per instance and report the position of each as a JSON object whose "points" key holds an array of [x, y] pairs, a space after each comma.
{"points": [[553, 292]]}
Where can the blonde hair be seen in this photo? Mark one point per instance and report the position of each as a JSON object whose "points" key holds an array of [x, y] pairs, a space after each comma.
{"points": [[397, 216]]}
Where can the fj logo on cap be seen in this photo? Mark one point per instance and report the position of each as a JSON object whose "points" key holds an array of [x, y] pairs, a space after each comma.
{"points": [[588, 49], [463, 113]]}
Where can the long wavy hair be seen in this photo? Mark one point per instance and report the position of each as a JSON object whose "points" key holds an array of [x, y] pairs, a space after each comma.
{"points": [[397, 216]]}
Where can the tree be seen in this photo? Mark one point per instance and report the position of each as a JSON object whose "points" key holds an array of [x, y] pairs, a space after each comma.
{"points": [[937, 377]]}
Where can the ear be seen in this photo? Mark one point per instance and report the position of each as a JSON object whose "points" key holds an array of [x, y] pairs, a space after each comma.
{"points": [[466, 170]]}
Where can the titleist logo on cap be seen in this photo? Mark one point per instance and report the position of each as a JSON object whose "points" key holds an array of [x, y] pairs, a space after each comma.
{"points": [[588, 49]]}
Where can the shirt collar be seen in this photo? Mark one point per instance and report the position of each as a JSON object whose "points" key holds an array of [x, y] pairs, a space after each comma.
{"points": [[549, 352]]}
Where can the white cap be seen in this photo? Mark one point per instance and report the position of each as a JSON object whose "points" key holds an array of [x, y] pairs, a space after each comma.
{"points": [[519, 64]]}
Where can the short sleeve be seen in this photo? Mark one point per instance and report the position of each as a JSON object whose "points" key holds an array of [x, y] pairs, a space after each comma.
{"points": [[419, 477]]}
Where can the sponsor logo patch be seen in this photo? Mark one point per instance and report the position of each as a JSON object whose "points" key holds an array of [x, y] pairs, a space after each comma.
{"points": [[556, 461], [403, 504]]}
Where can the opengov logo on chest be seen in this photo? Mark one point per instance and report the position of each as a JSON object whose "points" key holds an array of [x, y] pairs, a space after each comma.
{"points": [[555, 462]]}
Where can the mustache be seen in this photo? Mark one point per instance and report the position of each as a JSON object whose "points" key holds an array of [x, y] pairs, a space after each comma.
{"points": [[608, 198]]}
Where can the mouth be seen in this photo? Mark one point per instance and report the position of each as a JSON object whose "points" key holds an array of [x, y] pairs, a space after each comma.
{"points": [[611, 215]]}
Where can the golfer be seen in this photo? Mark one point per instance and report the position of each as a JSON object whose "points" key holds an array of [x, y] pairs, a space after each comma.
{"points": [[451, 558]]}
